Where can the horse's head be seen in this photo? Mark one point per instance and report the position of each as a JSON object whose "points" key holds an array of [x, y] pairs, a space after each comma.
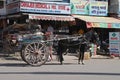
{"points": [[92, 37]]}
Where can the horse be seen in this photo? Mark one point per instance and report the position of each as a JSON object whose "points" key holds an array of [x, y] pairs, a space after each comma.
{"points": [[90, 37]]}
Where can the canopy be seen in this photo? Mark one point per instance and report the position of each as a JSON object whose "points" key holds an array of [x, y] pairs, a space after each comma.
{"points": [[99, 22], [51, 17]]}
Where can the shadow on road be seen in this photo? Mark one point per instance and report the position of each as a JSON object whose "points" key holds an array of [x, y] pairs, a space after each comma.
{"points": [[10, 57], [65, 73], [14, 64], [27, 65]]}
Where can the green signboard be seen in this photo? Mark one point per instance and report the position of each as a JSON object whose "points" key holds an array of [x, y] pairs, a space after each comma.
{"points": [[96, 8]]}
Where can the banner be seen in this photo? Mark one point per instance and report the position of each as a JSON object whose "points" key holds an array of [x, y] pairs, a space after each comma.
{"points": [[114, 43], [86, 7], [103, 25], [38, 7], [80, 8], [98, 8]]}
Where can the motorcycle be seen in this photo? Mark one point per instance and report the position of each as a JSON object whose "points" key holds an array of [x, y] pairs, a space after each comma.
{"points": [[103, 49]]}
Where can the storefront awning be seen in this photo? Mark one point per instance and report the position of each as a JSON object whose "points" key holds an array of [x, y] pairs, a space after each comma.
{"points": [[51, 17], [99, 22]]}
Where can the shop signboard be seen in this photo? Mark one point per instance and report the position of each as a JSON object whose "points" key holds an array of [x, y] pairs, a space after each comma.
{"points": [[98, 8], [45, 7], [86, 7], [114, 42], [79, 7]]}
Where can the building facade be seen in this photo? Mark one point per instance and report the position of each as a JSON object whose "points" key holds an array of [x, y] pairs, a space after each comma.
{"points": [[2, 14], [2, 8], [89, 7], [114, 8], [95, 13]]}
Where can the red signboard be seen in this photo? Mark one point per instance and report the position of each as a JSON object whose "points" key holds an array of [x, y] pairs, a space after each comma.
{"points": [[40, 7]]}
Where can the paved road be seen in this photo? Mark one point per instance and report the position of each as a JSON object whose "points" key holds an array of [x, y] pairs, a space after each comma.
{"points": [[94, 69]]}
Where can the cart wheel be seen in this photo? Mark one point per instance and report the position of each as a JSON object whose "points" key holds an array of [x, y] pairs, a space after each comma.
{"points": [[35, 54], [22, 53]]}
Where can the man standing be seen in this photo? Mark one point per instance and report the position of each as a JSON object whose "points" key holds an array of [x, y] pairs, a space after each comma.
{"points": [[82, 48], [50, 30]]}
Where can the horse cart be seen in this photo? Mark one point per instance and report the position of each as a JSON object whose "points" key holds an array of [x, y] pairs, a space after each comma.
{"points": [[32, 44]]}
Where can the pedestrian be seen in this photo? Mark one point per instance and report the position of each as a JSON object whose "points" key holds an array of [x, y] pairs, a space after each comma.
{"points": [[50, 31], [82, 48]]}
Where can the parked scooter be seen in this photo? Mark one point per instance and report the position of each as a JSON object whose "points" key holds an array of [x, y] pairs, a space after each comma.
{"points": [[103, 49]]}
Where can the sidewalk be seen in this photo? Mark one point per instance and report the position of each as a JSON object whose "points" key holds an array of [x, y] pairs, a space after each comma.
{"points": [[100, 57]]}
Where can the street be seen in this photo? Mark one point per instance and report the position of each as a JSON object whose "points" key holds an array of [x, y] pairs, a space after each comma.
{"points": [[94, 69]]}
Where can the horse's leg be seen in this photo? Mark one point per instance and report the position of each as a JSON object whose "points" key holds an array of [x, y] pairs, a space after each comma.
{"points": [[61, 58], [79, 55], [60, 51]]}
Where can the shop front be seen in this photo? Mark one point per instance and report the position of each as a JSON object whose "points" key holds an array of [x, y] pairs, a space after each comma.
{"points": [[99, 22], [60, 23], [94, 14], [55, 13], [103, 26]]}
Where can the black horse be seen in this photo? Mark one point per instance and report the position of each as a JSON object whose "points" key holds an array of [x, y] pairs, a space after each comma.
{"points": [[90, 37]]}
